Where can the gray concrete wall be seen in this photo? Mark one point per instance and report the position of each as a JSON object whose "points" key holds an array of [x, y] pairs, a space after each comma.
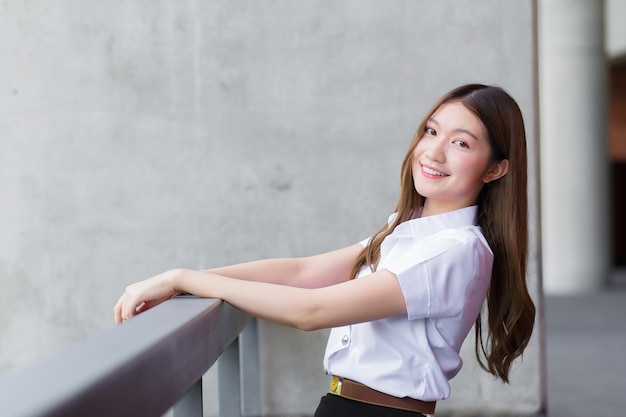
{"points": [[137, 136], [614, 29]]}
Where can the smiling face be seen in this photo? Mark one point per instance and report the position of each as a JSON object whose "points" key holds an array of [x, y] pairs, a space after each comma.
{"points": [[452, 160]]}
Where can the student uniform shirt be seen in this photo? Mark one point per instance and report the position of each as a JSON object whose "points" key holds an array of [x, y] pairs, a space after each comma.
{"points": [[443, 264]]}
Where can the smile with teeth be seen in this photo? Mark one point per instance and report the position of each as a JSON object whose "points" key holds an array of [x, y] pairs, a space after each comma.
{"points": [[431, 171]]}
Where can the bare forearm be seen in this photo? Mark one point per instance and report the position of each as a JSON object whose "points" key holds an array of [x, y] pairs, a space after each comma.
{"points": [[308, 272], [303, 308], [282, 271], [277, 289], [280, 304]]}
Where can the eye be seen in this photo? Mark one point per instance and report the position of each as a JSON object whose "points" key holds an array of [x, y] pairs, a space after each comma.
{"points": [[430, 131], [461, 143]]}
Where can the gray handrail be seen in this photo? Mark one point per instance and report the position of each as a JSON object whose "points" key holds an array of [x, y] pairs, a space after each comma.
{"points": [[139, 368]]}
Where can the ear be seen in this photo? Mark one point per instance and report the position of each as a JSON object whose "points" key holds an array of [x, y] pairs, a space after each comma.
{"points": [[496, 171]]}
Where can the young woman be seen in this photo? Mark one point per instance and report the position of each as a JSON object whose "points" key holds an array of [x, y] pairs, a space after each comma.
{"points": [[401, 303]]}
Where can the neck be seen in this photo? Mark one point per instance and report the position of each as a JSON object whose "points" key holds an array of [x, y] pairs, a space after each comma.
{"points": [[432, 208]]}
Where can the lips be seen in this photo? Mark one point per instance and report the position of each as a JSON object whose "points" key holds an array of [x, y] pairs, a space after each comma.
{"points": [[433, 172]]}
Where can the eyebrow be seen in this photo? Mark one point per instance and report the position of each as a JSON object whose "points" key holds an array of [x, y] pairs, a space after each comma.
{"points": [[458, 130]]}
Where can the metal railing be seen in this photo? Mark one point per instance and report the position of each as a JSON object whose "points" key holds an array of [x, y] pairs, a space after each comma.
{"points": [[146, 367]]}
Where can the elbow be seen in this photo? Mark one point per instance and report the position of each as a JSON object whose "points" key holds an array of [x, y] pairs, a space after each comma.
{"points": [[308, 319], [308, 326]]}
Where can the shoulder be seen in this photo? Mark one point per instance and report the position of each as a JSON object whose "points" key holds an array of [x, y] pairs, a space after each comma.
{"points": [[454, 241]]}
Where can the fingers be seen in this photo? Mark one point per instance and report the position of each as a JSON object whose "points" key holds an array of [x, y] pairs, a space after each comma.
{"points": [[117, 312], [126, 308], [144, 295], [129, 305]]}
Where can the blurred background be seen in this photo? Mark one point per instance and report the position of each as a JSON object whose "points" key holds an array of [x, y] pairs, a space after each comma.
{"points": [[138, 136]]}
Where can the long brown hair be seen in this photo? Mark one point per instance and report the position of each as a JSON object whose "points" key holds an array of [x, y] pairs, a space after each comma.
{"points": [[503, 217]]}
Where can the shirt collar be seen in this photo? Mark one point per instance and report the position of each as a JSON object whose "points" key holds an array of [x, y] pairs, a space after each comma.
{"points": [[425, 226]]}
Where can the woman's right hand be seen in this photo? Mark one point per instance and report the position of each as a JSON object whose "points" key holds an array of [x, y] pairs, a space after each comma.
{"points": [[146, 294]]}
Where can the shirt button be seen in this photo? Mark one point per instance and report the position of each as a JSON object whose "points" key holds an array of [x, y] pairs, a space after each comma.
{"points": [[344, 340]]}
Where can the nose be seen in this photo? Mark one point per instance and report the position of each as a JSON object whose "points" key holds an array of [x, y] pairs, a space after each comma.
{"points": [[435, 151]]}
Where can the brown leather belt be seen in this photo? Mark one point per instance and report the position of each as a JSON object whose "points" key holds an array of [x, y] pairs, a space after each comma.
{"points": [[359, 392]]}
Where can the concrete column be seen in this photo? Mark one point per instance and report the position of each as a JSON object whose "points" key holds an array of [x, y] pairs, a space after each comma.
{"points": [[573, 150]]}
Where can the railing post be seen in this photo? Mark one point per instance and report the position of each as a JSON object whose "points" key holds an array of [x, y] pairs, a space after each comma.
{"points": [[190, 405], [249, 357], [229, 382]]}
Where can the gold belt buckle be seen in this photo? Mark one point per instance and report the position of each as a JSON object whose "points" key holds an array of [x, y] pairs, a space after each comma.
{"points": [[335, 385]]}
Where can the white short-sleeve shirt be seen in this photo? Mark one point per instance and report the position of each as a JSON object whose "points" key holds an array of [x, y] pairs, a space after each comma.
{"points": [[443, 264]]}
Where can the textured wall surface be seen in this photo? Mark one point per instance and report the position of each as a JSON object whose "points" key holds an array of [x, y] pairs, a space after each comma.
{"points": [[615, 35], [137, 136]]}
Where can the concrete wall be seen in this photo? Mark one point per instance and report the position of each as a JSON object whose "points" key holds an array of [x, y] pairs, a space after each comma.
{"points": [[615, 30], [137, 136]]}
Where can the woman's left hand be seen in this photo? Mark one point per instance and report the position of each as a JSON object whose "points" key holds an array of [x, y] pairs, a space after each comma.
{"points": [[144, 295]]}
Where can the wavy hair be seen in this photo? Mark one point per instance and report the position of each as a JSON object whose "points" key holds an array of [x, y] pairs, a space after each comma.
{"points": [[503, 217]]}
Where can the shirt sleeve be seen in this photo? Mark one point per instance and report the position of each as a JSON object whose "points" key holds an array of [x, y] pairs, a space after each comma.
{"points": [[439, 276]]}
